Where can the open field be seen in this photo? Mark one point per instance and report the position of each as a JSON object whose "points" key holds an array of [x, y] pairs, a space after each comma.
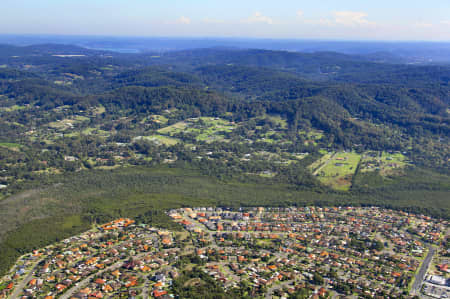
{"points": [[320, 162], [160, 119], [385, 163], [160, 139], [12, 108], [339, 170], [173, 129], [12, 146], [203, 128], [67, 123]]}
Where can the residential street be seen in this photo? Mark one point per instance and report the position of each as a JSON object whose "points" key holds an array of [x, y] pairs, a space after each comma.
{"points": [[19, 288], [423, 270], [85, 281]]}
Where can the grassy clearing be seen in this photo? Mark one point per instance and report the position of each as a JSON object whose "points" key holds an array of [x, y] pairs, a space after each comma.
{"points": [[12, 108], [95, 131], [88, 131], [267, 174], [106, 167], [300, 156], [204, 128], [60, 82], [159, 119], [99, 110], [338, 171], [81, 118], [264, 242], [67, 123], [156, 118], [11, 146], [316, 165], [62, 124], [385, 163], [160, 139], [50, 170], [173, 129]]}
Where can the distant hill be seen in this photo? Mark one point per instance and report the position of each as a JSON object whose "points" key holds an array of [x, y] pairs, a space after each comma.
{"points": [[396, 52]]}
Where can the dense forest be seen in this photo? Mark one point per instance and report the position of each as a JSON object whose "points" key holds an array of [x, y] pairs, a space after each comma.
{"points": [[92, 135]]}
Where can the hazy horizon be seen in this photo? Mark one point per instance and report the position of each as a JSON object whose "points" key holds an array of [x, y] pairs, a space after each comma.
{"points": [[346, 20]]}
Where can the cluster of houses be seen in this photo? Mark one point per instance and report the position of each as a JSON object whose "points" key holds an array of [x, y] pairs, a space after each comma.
{"points": [[333, 251], [285, 243], [115, 258], [437, 280]]}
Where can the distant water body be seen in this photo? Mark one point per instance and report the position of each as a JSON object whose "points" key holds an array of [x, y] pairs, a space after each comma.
{"points": [[421, 51], [118, 50]]}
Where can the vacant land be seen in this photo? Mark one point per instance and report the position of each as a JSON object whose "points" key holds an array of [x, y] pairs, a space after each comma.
{"points": [[383, 162], [160, 139], [337, 172], [173, 129], [67, 123], [12, 108], [206, 129], [12, 146]]}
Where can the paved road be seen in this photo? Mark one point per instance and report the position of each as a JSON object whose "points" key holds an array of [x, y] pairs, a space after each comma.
{"points": [[114, 266], [423, 270], [68, 294], [85, 281], [24, 282]]}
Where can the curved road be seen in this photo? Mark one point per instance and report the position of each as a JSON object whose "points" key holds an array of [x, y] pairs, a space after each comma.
{"points": [[18, 289]]}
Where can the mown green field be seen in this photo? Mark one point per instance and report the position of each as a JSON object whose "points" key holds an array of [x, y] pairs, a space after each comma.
{"points": [[173, 129], [9, 145], [13, 108], [338, 171], [160, 139], [316, 165], [160, 119], [99, 110]]}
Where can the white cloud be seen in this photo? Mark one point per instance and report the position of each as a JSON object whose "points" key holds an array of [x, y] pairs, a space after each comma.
{"points": [[445, 22], [422, 25], [342, 18], [351, 18], [258, 17], [184, 20], [299, 13], [322, 22]]}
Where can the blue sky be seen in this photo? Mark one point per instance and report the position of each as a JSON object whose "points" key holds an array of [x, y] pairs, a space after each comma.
{"points": [[322, 19]]}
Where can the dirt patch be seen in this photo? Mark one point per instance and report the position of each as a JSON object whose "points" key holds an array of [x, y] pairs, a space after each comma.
{"points": [[194, 282], [347, 180]]}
